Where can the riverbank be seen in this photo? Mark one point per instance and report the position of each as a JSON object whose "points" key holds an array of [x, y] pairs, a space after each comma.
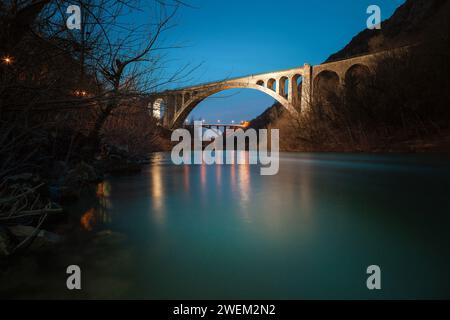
{"points": [[438, 144], [34, 213]]}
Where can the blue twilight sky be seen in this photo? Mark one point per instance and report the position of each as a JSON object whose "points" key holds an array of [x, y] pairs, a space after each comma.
{"points": [[242, 37]]}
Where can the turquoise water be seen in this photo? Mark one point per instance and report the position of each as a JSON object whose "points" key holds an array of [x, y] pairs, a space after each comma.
{"points": [[207, 232]]}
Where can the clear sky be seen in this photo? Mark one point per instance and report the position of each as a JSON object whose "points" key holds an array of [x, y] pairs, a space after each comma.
{"points": [[242, 37]]}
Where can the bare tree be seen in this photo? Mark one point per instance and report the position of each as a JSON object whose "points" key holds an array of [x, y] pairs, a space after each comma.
{"points": [[58, 86]]}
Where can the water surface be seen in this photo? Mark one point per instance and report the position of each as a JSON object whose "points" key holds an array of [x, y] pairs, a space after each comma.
{"points": [[206, 232]]}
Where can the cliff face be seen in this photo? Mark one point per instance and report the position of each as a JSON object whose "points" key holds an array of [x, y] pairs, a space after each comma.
{"points": [[269, 116], [416, 21]]}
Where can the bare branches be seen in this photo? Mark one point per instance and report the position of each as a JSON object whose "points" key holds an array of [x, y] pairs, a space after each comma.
{"points": [[70, 92]]}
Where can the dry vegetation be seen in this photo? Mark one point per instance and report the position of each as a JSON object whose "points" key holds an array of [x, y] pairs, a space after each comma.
{"points": [[66, 96], [402, 105]]}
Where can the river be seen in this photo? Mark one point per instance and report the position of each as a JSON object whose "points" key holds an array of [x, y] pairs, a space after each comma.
{"points": [[226, 232]]}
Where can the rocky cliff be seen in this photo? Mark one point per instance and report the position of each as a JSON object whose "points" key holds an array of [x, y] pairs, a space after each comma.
{"points": [[414, 22]]}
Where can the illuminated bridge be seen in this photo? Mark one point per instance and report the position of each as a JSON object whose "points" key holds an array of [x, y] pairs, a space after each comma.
{"points": [[292, 88]]}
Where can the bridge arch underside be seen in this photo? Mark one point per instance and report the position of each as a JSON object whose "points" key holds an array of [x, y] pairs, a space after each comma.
{"points": [[326, 85], [356, 76], [195, 100]]}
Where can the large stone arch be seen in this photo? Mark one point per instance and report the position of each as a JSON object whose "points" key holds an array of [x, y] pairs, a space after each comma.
{"points": [[356, 74], [194, 101], [326, 84]]}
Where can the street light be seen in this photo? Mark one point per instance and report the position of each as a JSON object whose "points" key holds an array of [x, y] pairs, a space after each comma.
{"points": [[7, 60], [80, 93]]}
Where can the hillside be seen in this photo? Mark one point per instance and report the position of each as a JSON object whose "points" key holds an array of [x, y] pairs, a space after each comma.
{"points": [[424, 22], [270, 115], [416, 21]]}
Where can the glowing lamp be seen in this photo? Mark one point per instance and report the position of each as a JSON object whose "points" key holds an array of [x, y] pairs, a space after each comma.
{"points": [[7, 60]]}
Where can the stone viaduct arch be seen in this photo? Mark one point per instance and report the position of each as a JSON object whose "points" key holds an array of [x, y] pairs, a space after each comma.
{"points": [[191, 103], [284, 86], [280, 85]]}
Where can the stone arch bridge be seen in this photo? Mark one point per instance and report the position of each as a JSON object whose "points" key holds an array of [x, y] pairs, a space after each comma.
{"points": [[292, 88]]}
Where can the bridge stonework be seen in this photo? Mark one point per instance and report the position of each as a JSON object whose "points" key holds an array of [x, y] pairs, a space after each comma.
{"points": [[292, 88]]}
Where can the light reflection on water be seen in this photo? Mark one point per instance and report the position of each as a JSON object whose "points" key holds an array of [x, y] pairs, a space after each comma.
{"points": [[157, 194], [204, 231], [100, 214], [308, 232]]}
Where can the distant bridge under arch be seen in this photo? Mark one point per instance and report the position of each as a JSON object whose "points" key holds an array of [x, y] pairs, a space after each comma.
{"points": [[292, 88]]}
